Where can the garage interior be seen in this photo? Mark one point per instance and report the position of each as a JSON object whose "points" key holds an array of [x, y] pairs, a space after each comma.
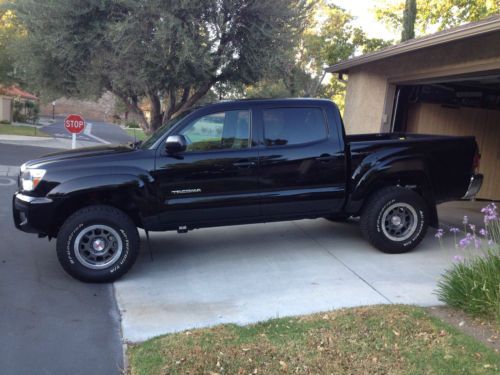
{"points": [[466, 105]]}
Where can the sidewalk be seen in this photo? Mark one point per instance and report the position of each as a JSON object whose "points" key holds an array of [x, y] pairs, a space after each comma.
{"points": [[47, 142]]}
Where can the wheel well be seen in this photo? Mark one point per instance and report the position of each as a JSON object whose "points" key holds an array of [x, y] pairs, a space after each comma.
{"points": [[119, 200], [417, 182]]}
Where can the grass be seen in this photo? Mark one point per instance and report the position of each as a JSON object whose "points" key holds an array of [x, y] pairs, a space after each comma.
{"points": [[474, 285], [387, 339], [21, 130], [136, 133]]}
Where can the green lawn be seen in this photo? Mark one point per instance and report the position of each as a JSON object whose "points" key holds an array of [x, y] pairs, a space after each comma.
{"points": [[21, 130], [137, 134], [387, 339]]}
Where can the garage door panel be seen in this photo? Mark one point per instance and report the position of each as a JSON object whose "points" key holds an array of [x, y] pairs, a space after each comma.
{"points": [[484, 124]]}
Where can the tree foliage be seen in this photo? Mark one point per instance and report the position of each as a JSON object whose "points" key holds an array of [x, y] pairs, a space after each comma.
{"points": [[437, 14], [10, 36], [329, 38], [167, 51]]}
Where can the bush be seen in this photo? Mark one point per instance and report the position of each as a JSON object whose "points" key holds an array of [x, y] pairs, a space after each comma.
{"points": [[5, 122], [132, 124], [26, 111], [472, 284]]}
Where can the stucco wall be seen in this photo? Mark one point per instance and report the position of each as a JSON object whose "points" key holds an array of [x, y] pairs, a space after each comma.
{"points": [[5, 109], [368, 85]]}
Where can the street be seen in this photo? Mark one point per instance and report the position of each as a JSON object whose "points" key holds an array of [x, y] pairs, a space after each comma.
{"points": [[95, 131], [50, 323]]}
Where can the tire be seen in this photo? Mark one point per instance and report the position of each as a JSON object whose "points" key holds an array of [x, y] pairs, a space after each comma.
{"points": [[395, 220], [98, 244]]}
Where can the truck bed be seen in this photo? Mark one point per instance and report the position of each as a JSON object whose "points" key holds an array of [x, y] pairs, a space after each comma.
{"points": [[446, 160]]}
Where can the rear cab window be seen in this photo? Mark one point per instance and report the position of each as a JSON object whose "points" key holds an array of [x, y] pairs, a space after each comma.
{"points": [[293, 126]]}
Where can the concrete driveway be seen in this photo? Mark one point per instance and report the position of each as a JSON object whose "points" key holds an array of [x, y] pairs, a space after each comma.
{"points": [[248, 273]]}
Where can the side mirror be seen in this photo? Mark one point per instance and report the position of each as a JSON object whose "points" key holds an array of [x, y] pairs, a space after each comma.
{"points": [[175, 144]]}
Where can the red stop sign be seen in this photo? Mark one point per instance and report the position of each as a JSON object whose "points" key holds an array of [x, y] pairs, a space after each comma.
{"points": [[74, 124]]}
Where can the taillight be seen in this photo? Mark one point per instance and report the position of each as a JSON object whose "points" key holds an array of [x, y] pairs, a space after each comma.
{"points": [[476, 161]]}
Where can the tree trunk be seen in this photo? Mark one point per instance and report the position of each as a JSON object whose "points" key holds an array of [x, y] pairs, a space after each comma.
{"points": [[409, 17], [134, 108], [156, 115]]}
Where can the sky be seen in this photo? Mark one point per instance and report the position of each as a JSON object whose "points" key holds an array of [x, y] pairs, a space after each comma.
{"points": [[365, 18]]}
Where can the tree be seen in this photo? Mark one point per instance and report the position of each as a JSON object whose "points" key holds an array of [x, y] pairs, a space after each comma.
{"points": [[437, 14], [409, 17], [328, 38], [170, 52], [10, 36]]}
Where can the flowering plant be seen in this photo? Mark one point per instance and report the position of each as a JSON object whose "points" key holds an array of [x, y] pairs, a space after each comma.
{"points": [[472, 238], [473, 282]]}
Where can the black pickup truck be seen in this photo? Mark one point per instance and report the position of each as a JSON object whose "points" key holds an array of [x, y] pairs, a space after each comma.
{"points": [[240, 162]]}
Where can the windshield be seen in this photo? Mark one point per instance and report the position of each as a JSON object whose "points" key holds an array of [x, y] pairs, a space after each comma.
{"points": [[149, 141]]}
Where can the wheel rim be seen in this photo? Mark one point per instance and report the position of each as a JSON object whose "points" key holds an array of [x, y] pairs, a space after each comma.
{"points": [[98, 246], [399, 221]]}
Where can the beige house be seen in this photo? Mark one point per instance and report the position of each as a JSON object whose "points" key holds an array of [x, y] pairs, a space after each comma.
{"points": [[445, 83], [5, 108]]}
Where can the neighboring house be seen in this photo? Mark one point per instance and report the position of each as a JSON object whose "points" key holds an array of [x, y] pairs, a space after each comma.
{"points": [[445, 83], [7, 97]]}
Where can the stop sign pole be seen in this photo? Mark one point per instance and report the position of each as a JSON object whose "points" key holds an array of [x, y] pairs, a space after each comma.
{"points": [[74, 124]]}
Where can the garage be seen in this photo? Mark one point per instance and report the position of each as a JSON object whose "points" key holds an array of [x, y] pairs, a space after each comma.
{"points": [[445, 83], [461, 106]]}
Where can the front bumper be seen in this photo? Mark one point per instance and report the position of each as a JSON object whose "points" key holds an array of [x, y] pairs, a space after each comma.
{"points": [[32, 214], [476, 181]]}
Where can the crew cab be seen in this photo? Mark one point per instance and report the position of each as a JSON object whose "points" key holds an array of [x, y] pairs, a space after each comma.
{"points": [[240, 162]]}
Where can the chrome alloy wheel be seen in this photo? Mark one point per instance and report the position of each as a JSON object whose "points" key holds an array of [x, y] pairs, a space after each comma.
{"points": [[399, 221], [98, 246]]}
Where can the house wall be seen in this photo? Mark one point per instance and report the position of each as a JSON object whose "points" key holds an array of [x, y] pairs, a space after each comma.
{"points": [[5, 108], [369, 96]]}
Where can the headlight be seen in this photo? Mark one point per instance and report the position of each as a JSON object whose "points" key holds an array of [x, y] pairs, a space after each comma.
{"points": [[30, 178]]}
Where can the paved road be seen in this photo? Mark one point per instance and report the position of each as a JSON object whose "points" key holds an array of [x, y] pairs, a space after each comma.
{"points": [[104, 132], [16, 155], [49, 323]]}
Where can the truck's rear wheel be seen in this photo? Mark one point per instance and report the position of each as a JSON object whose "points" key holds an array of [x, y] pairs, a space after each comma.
{"points": [[395, 220], [98, 244]]}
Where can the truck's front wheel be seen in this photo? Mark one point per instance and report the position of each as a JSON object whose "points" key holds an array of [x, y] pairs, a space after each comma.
{"points": [[394, 220], [97, 244]]}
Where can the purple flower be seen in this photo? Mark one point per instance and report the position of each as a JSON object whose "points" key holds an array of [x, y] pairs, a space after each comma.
{"points": [[466, 220], [454, 230], [458, 258], [483, 232], [477, 243], [466, 241], [472, 227], [490, 213], [439, 233]]}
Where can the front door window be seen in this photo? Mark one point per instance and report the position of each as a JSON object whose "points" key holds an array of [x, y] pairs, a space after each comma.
{"points": [[219, 131]]}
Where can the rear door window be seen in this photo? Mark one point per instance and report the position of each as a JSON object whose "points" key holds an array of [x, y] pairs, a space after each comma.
{"points": [[292, 126]]}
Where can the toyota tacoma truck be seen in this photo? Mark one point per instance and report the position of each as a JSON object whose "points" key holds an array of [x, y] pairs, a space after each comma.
{"points": [[240, 162]]}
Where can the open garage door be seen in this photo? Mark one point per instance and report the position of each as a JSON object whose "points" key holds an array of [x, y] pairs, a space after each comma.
{"points": [[466, 106]]}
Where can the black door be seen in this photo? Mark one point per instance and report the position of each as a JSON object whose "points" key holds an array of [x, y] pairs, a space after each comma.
{"points": [[214, 181], [301, 163]]}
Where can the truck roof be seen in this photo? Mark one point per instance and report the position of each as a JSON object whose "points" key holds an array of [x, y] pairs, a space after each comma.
{"points": [[260, 101]]}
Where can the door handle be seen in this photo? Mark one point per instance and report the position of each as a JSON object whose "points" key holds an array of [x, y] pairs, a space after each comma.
{"points": [[244, 164], [325, 158]]}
